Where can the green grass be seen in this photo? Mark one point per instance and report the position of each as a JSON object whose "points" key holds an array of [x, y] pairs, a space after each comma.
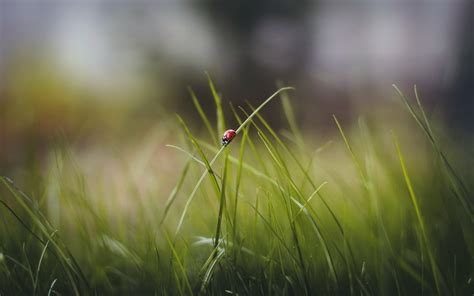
{"points": [[376, 211]]}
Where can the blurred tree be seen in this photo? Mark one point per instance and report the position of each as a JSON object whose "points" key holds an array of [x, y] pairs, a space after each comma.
{"points": [[267, 39], [244, 16]]}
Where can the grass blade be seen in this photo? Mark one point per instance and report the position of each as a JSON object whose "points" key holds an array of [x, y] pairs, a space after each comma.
{"points": [[222, 204], [436, 275], [203, 116], [218, 102]]}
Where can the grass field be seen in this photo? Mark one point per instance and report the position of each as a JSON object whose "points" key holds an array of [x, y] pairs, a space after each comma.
{"points": [[378, 210]]}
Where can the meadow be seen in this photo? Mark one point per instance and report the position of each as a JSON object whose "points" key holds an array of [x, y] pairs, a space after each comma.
{"points": [[382, 208]]}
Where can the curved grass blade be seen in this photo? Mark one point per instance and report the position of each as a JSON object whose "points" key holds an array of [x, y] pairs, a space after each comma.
{"points": [[40, 261], [238, 182], [50, 291], [290, 116], [218, 102], [434, 267], [221, 204], [182, 268], [459, 188], [203, 156], [202, 114], [216, 256], [176, 189]]}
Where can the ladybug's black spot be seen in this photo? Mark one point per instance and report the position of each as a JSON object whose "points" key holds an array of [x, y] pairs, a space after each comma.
{"points": [[226, 141]]}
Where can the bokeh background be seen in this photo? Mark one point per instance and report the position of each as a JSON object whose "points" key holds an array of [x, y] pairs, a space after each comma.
{"points": [[104, 72]]}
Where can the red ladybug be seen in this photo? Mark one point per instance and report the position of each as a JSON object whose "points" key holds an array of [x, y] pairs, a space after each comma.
{"points": [[228, 136]]}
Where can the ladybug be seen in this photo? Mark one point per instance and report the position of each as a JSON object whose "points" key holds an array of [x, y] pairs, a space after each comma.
{"points": [[228, 136]]}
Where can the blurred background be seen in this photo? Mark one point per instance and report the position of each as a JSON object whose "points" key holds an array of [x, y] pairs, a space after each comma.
{"points": [[105, 71]]}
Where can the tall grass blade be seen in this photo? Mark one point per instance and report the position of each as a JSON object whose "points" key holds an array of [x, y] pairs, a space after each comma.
{"points": [[459, 188], [238, 181], [203, 116], [215, 257], [176, 256], [290, 116], [434, 267], [218, 103], [40, 261], [222, 204], [176, 189], [50, 291], [349, 148]]}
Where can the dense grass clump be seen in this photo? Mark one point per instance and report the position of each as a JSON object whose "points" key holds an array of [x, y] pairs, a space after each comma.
{"points": [[374, 212]]}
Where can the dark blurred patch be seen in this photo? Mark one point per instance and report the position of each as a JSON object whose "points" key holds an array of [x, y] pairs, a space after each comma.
{"points": [[461, 102]]}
